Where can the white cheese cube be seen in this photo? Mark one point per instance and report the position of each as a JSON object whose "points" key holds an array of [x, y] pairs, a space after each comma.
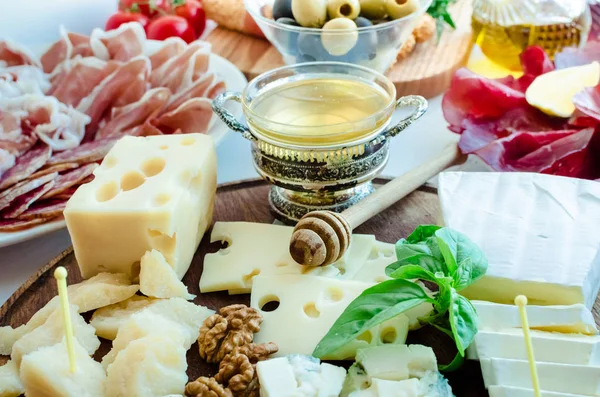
{"points": [[159, 280], [46, 373], [149, 193], [299, 376], [260, 248], [52, 332], [10, 382], [388, 388], [564, 378], [539, 233], [548, 347], [152, 366], [109, 319], [506, 391], [308, 307], [397, 362], [576, 319]]}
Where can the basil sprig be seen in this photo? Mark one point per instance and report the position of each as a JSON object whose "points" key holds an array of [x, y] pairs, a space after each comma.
{"points": [[431, 253]]}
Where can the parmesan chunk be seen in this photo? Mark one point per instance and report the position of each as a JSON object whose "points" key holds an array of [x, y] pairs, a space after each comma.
{"points": [[158, 279], [108, 320], [10, 383]]}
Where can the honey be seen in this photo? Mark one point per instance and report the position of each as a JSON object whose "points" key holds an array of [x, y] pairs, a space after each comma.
{"points": [[321, 111], [504, 28]]}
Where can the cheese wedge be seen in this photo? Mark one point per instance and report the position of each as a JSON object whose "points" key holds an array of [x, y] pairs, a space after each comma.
{"points": [[548, 347], [10, 382], [99, 291], [259, 248], [506, 391], [107, 320], [538, 232], [149, 193], [572, 319], [308, 307], [46, 373], [564, 378], [158, 279], [52, 332], [151, 366]]}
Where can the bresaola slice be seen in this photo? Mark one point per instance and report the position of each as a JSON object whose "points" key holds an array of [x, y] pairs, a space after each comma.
{"points": [[44, 209], [26, 165], [67, 180], [87, 153], [21, 203]]}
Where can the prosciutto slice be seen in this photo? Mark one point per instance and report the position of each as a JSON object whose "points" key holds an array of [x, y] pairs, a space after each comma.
{"points": [[12, 54], [180, 72], [121, 44], [20, 80], [197, 90], [192, 116], [171, 48], [134, 114]]}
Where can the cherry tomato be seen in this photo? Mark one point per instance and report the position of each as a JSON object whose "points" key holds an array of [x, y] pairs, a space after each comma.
{"points": [[121, 17], [192, 11], [170, 26], [148, 8]]}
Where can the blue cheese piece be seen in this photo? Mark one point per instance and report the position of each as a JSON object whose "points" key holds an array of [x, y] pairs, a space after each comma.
{"points": [[299, 376], [539, 233]]}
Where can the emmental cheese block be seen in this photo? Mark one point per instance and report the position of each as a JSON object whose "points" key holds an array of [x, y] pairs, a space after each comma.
{"points": [[263, 249], [575, 319], [308, 307], [539, 233], [149, 193], [373, 271]]}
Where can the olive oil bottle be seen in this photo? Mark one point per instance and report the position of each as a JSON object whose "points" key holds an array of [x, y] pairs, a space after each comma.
{"points": [[504, 28]]}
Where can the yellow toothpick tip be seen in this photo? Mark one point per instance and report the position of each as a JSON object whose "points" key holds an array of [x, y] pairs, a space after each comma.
{"points": [[60, 274], [521, 302]]}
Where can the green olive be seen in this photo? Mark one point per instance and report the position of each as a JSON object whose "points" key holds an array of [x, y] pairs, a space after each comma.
{"points": [[339, 43], [397, 9], [343, 9], [310, 13], [373, 9]]}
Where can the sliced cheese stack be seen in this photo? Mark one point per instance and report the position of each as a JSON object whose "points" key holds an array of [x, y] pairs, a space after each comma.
{"points": [[149, 193]]}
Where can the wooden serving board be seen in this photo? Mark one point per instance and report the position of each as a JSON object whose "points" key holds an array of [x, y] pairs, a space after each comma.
{"points": [[247, 201], [427, 71]]}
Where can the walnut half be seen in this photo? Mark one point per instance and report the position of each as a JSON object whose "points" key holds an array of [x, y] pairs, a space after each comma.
{"points": [[206, 387]]}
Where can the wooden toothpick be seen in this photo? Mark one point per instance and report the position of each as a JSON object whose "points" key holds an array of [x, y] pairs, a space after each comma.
{"points": [[60, 274], [521, 302]]}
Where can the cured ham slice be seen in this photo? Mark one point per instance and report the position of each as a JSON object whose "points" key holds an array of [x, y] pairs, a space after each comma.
{"points": [[53, 168], [7, 161], [26, 165], [215, 89], [104, 95], [81, 45], [196, 90], [12, 54], [77, 83], [72, 178], [132, 115], [44, 209], [21, 203], [192, 116], [13, 225], [121, 44], [20, 80], [58, 52], [8, 195], [171, 47], [86, 153], [172, 73]]}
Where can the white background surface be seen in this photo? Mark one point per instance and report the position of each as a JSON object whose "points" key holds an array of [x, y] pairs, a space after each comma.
{"points": [[35, 22]]}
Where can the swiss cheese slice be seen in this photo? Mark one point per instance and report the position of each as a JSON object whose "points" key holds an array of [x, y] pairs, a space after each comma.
{"points": [[259, 248], [46, 373], [308, 307], [159, 280], [149, 193], [539, 233], [10, 382], [373, 270]]}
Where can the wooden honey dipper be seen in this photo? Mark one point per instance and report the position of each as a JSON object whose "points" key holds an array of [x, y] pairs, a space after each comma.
{"points": [[322, 237]]}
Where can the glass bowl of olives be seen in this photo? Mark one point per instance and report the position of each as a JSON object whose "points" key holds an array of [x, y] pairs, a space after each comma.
{"points": [[362, 32]]}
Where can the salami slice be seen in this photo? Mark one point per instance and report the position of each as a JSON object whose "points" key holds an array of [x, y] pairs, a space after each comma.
{"points": [[13, 225], [45, 209], [69, 179], [26, 165], [10, 194], [21, 203], [54, 168], [86, 153]]}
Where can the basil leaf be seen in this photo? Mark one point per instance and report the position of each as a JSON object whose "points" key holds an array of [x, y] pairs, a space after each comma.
{"points": [[444, 295], [420, 254], [455, 364], [464, 259], [374, 306], [410, 272], [421, 233], [463, 321]]}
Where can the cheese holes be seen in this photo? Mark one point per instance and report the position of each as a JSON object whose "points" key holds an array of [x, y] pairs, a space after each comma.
{"points": [[107, 191], [248, 277], [109, 162], [161, 199], [311, 310], [366, 336], [268, 303], [163, 147], [187, 141], [281, 264], [153, 166], [374, 254], [334, 294], [380, 279], [388, 253], [389, 335], [132, 180]]}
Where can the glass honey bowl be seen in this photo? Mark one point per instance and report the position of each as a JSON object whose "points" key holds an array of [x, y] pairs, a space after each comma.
{"points": [[320, 132]]}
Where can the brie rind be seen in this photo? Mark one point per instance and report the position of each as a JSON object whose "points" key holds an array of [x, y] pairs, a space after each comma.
{"points": [[539, 233]]}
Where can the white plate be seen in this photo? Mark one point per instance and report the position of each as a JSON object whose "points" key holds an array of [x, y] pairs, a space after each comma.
{"points": [[225, 70]]}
